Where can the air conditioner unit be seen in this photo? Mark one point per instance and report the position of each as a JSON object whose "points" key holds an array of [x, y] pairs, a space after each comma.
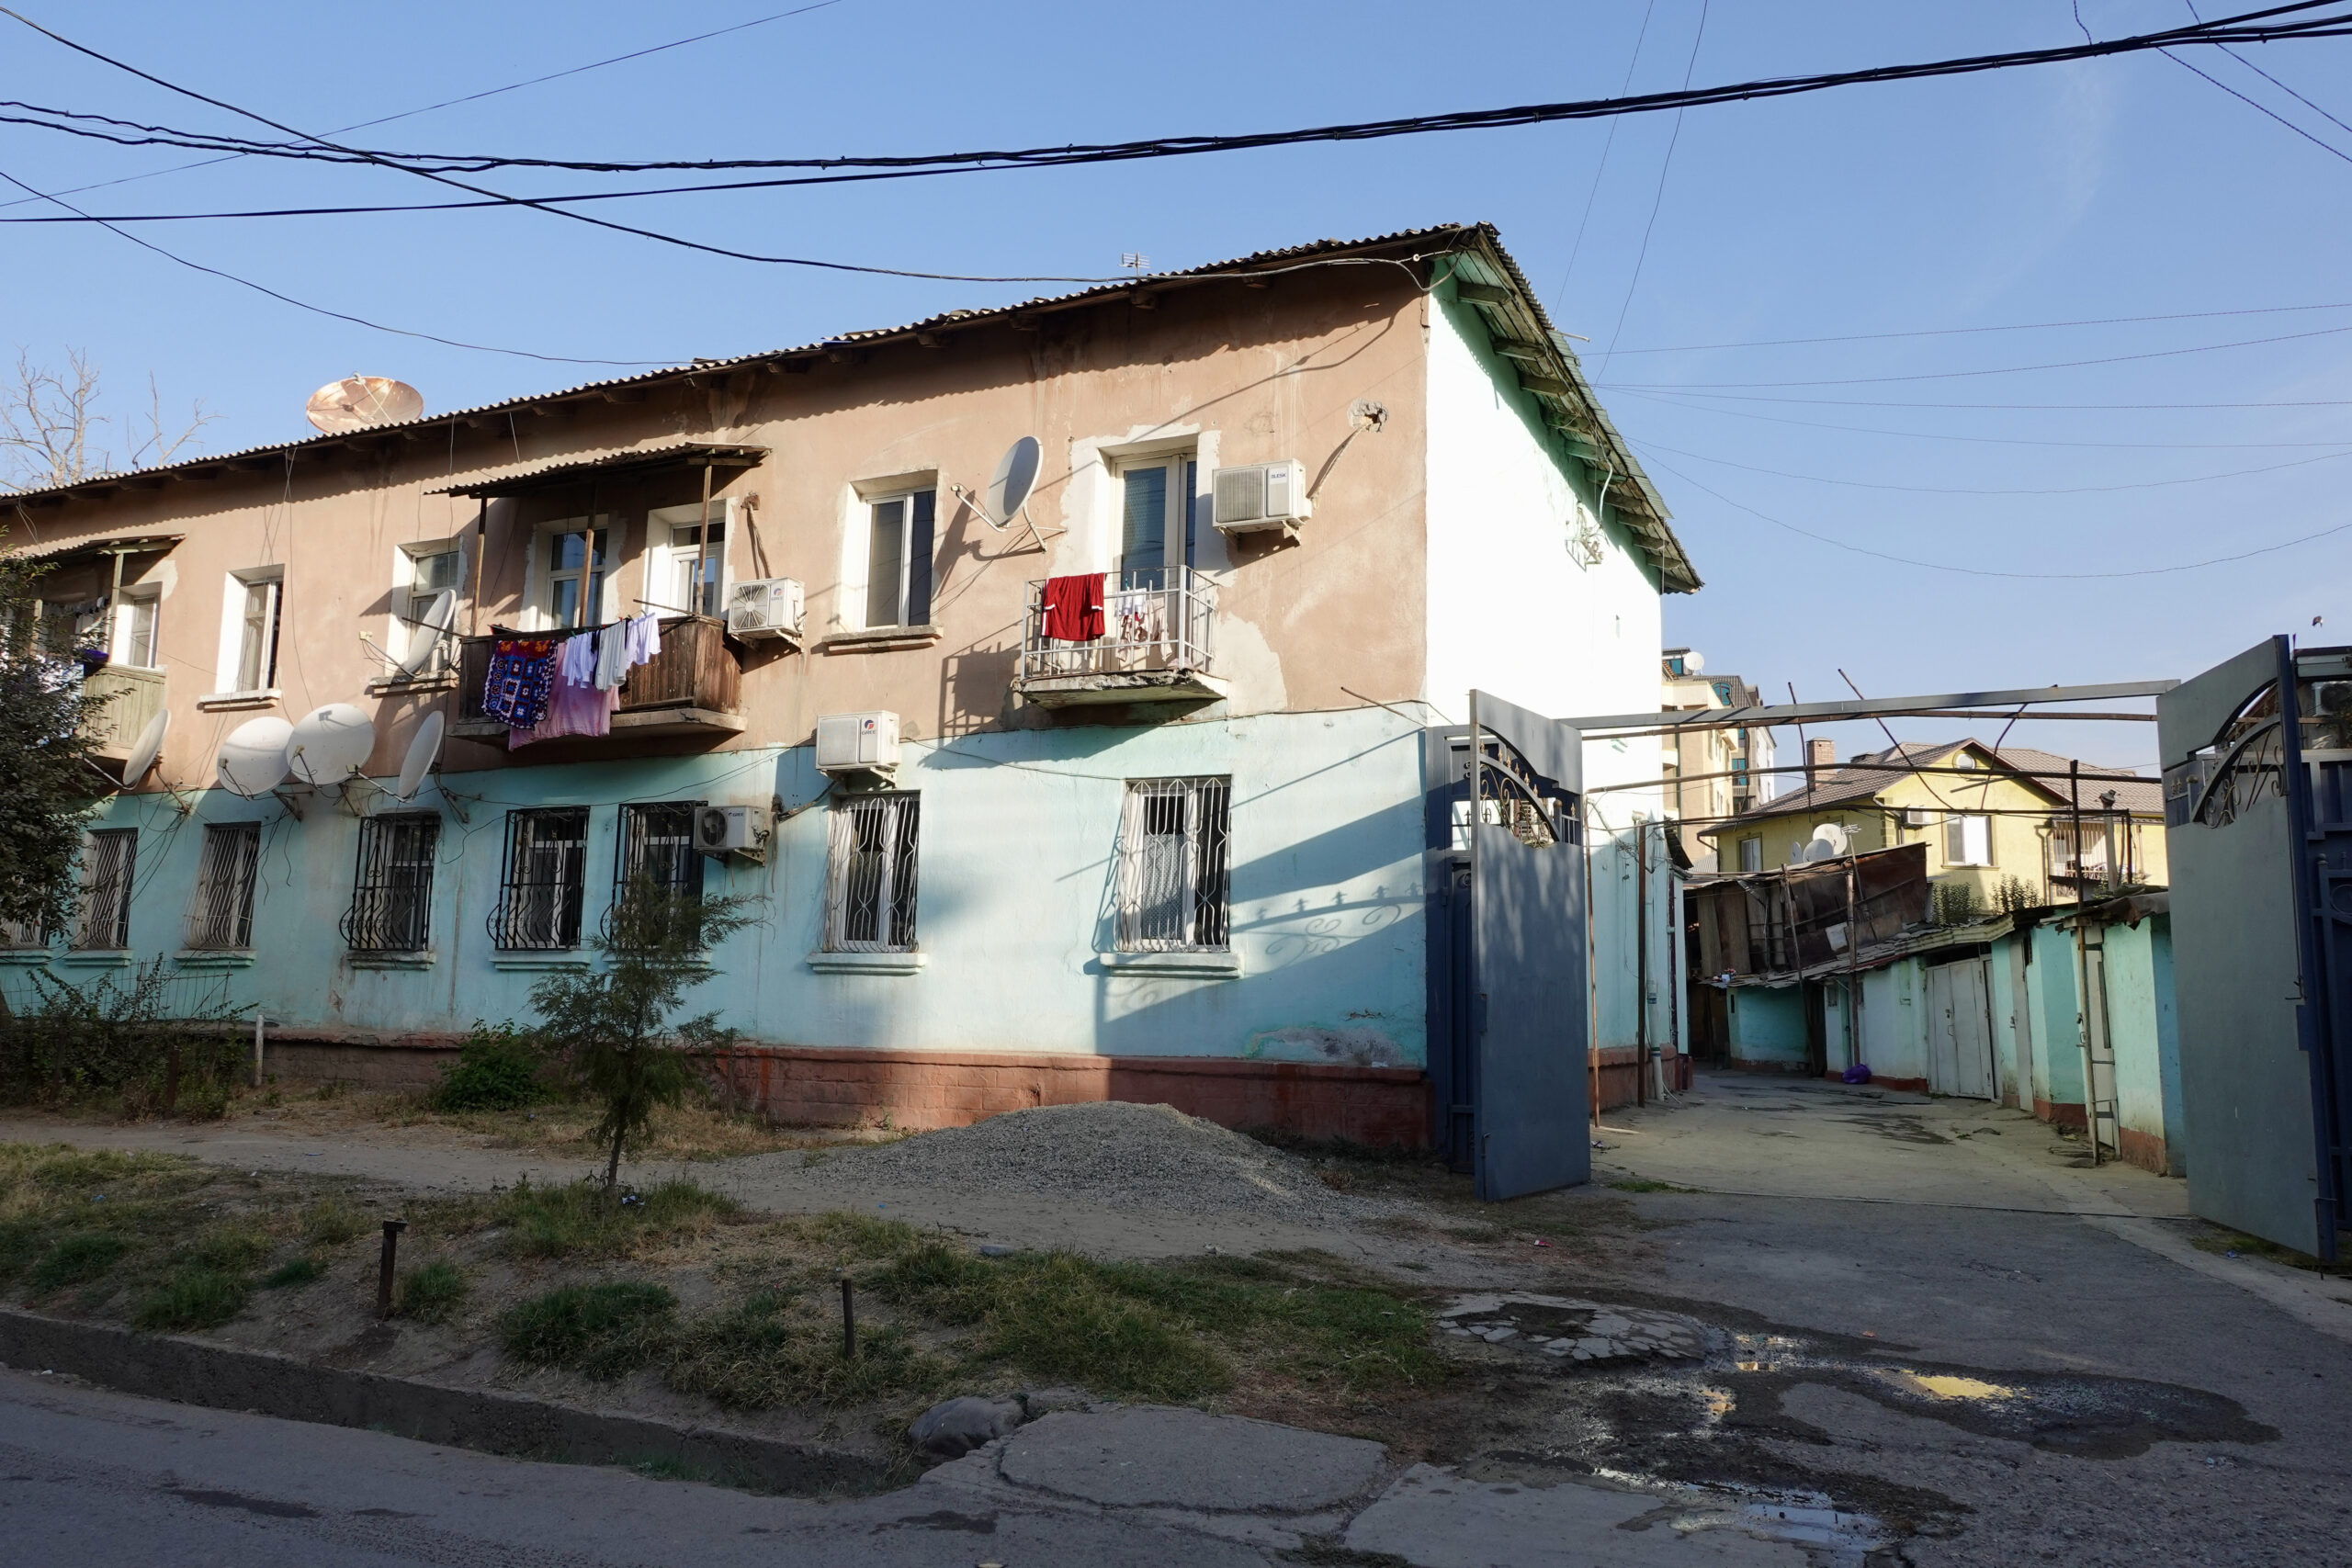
{"points": [[1260, 497], [732, 830], [1918, 817], [765, 607], [857, 743]]}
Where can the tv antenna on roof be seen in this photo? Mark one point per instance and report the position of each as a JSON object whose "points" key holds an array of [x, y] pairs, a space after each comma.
{"points": [[356, 402], [1134, 262], [1008, 490]]}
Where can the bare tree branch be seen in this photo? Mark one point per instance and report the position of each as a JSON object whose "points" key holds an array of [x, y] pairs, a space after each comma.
{"points": [[51, 426]]}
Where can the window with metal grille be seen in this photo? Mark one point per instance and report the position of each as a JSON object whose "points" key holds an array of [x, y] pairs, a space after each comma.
{"points": [[870, 875], [545, 874], [657, 846], [109, 857], [1175, 840], [391, 898], [223, 915]]}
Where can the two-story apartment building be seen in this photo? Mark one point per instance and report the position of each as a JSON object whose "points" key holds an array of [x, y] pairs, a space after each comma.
{"points": [[1711, 774], [1160, 820]]}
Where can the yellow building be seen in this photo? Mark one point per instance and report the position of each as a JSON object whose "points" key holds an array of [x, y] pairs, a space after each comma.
{"points": [[1999, 825]]}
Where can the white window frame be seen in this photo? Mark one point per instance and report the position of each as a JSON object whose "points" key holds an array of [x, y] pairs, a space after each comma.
{"points": [[1177, 541], [234, 592], [1959, 825], [894, 876], [869, 499], [1163, 906], [1751, 855], [409, 600], [129, 605], [540, 576], [663, 558]]}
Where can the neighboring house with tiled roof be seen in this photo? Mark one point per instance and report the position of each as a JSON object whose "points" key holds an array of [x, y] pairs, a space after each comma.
{"points": [[1999, 824]]}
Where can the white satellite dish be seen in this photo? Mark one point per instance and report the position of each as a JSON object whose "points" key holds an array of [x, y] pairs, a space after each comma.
{"points": [[423, 752], [253, 759], [356, 403], [327, 745], [1016, 476], [431, 627], [143, 756], [1828, 842]]}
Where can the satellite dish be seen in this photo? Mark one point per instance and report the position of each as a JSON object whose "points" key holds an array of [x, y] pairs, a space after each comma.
{"points": [[253, 759], [423, 752], [1694, 661], [1828, 842], [358, 401], [431, 627], [328, 744], [1016, 476], [143, 755]]}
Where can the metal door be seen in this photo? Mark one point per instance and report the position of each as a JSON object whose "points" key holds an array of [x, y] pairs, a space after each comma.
{"points": [[1972, 1030], [1529, 994], [2261, 865], [1942, 1054], [2102, 1111]]}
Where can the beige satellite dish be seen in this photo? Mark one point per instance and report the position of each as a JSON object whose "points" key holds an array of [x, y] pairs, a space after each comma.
{"points": [[358, 401]]}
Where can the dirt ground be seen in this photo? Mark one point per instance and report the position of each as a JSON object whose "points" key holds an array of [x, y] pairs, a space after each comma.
{"points": [[1923, 1319]]}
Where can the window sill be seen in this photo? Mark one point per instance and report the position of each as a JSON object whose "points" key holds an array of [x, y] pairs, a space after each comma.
{"points": [[235, 702], [391, 960], [98, 958], [880, 639], [565, 958], [214, 958], [1198, 966], [869, 963], [25, 956]]}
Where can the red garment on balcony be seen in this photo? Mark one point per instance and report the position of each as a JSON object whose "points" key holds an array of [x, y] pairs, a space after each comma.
{"points": [[1074, 607]]}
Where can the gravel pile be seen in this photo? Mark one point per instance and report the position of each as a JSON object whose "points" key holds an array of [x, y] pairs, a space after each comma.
{"points": [[1109, 1153]]}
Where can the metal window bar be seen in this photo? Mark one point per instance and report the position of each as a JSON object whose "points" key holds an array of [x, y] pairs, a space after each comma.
{"points": [[870, 902], [109, 859], [391, 896], [541, 888], [1175, 855], [657, 842], [1154, 618], [223, 916]]}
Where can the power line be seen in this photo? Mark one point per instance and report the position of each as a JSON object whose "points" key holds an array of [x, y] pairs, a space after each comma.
{"points": [[1898, 403], [1958, 490], [1983, 571], [175, 257], [1607, 145], [1965, 332], [470, 98], [1993, 440], [1665, 168], [2250, 26], [2324, 146]]}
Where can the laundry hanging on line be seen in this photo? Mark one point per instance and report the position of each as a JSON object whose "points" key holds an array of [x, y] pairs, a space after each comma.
{"points": [[1073, 607], [542, 688], [522, 674]]}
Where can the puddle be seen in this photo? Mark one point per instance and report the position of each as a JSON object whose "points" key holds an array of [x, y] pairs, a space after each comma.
{"points": [[1946, 1385]]}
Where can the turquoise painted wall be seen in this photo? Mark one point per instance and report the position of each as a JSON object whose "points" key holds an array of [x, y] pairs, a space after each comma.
{"points": [[1768, 1025], [2054, 983], [1015, 906]]}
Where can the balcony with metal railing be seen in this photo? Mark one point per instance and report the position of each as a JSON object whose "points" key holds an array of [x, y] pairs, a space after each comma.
{"points": [[1155, 644], [694, 687]]}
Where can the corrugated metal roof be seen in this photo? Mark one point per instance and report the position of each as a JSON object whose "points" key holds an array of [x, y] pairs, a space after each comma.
{"points": [[684, 454], [1557, 382], [1875, 771]]}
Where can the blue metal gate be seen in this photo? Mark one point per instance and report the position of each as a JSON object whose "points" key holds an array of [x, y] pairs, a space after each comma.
{"points": [[2258, 833], [1510, 994]]}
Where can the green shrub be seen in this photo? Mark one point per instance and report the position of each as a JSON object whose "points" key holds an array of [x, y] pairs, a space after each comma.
{"points": [[74, 1259], [194, 1298], [586, 1219], [331, 1222], [601, 1330], [499, 1067], [229, 1247], [775, 1349], [296, 1271], [430, 1291]]}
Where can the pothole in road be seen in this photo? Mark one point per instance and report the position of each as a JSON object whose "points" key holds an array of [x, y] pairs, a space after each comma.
{"points": [[1573, 1330]]}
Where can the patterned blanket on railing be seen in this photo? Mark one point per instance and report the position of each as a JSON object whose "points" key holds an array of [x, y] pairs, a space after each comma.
{"points": [[522, 674]]}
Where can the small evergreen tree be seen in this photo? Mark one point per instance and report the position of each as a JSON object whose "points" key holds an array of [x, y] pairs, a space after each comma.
{"points": [[47, 780], [612, 1026]]}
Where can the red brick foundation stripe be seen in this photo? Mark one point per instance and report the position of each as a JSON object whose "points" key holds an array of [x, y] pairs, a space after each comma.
{"points": [[922, 1089]]}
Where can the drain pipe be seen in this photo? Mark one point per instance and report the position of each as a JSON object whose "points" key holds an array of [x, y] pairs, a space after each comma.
{"points": [[257, 1034], [1641, 963]]}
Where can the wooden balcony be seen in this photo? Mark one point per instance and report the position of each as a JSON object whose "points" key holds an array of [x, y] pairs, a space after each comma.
{"points": [[133, 697], [694, 687]]}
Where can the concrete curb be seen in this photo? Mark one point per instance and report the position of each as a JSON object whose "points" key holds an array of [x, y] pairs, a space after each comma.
{"points": [[192, 1371]]}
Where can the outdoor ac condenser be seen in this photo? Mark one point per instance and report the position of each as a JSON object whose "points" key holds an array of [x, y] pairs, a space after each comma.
{"points": [[764, 608], [857, 743], [1261, 496], [732, 830]]}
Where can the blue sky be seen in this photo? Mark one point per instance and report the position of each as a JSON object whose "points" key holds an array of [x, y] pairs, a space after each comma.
{"points": [[2124, 187]]}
